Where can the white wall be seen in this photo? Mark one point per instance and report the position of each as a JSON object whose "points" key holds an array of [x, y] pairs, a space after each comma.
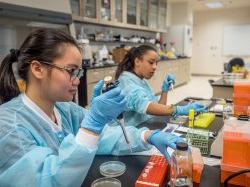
{"points": [[208, 26], [179, 16], [179, 13]]}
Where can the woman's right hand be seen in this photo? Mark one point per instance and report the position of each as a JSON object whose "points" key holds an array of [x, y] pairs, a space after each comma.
{"points": [[104, 108], [169, 79]]}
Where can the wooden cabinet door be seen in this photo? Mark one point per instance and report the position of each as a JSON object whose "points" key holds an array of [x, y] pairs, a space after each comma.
{"points": [[110, 72], [94, 75]]}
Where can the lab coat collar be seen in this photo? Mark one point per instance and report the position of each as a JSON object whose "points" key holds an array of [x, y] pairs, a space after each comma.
{"points": [[134, 77], [38, 111]]}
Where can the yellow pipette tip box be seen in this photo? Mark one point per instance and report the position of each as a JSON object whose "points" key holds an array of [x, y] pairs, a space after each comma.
{"points": [[204, 120]]}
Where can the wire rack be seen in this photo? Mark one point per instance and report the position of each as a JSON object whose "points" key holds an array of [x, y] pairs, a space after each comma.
{"points": [[198, 138]]}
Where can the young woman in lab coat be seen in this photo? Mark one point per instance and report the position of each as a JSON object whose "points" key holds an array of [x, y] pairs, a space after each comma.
{"points": [[139, 65], [46, 140]]}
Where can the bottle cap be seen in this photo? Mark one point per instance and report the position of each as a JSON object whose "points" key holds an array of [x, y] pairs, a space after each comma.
{"points": [[182, 146], [108, 79], [191, 113]]}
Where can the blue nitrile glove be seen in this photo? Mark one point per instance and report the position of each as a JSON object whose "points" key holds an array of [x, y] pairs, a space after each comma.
{"points": [[97, 90], [184, 110], [163, 140], [103, 109], [169, 79]]}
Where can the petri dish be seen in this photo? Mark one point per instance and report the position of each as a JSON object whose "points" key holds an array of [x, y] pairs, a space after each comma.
{"points": [[106, 182], [112, 168]]}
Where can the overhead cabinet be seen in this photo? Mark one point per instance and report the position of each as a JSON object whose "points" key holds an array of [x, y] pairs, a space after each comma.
{"points": [[148, 15]]}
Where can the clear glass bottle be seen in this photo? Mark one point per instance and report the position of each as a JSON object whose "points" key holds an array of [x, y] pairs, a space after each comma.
{"points": [[181, 171]]}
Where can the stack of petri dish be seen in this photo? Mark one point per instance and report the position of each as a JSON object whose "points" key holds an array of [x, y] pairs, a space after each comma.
{"points": [[109, 170]]}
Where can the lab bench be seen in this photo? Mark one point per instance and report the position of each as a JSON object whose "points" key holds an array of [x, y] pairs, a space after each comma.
{"points": [[222, 89], [210, 176], [180, 68]]}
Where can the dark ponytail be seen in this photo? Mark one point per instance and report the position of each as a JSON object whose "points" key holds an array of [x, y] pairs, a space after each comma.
{"points": [[128, 61], [41, 45], [8, 84]]}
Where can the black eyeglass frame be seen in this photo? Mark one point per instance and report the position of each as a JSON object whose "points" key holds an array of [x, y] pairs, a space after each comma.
{"points": [[73, 73]]}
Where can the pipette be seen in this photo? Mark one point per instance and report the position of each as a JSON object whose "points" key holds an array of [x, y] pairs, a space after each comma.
{"points": [[171, 85], [110, 85], [120, 120]]}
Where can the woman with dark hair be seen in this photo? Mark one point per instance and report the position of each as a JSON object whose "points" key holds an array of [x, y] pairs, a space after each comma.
{"points": [[139, 64], [46, 140]]}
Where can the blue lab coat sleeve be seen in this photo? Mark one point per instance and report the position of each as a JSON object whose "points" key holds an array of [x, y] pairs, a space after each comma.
{"points": [[32, 155], [23, 163], [113, 141]]}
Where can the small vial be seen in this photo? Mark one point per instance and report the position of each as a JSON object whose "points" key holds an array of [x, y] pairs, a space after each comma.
{"points": [[191, 118], [107, 81]]}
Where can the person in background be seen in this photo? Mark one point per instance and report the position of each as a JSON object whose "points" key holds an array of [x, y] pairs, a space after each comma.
{"points": [[139, 65], [47, 140]]}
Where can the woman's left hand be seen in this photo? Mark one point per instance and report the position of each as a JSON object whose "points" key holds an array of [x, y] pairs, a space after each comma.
{"points": [[163, 140], [184, 110]]}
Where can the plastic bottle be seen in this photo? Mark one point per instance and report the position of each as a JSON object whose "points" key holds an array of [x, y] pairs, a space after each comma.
{"points": [[181, 171]]}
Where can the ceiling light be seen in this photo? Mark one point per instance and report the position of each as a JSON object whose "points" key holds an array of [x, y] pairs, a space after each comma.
{"points": [[214, 5]]}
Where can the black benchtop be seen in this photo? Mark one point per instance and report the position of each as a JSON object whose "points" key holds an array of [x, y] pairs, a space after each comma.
{"points": [[221, 82], [210, 175]]}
